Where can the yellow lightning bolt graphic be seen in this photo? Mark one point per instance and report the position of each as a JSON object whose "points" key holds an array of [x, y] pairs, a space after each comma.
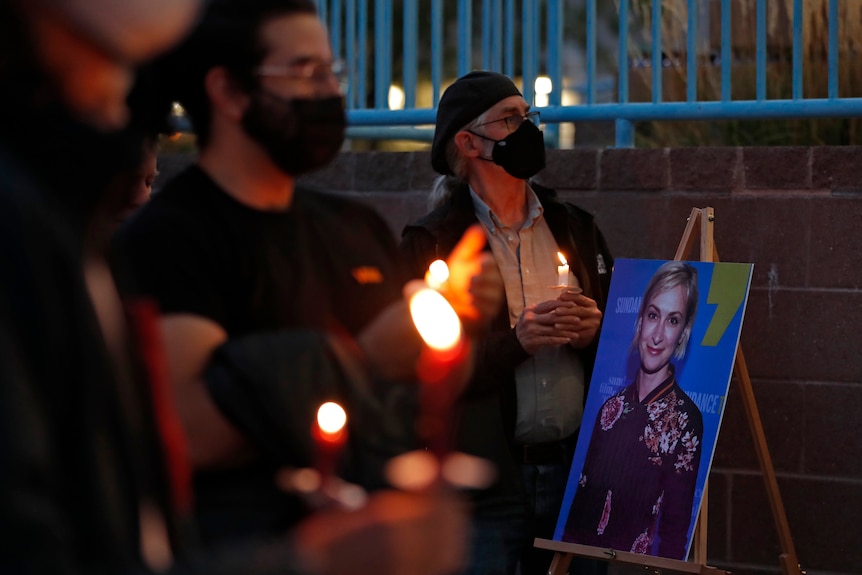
{"points": [[727, 291]]}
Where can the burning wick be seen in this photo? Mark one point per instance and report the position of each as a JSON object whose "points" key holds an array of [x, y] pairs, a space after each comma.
{"points": [[437, 274], [562, 271]]}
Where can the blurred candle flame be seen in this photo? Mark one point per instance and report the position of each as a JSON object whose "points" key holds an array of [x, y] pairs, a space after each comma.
{"points": [[331, 418], [437, 275], [562, 258], [330, 436], [435, 319]]}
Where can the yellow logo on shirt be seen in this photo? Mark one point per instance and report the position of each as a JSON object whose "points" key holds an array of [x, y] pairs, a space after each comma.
{"points": [[367, 275]]}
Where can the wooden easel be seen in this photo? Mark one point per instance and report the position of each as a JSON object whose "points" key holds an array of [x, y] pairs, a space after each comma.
{"points": [[701, 221]]}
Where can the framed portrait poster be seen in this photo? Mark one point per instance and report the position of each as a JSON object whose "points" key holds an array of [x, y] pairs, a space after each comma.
{"points": [[656, 398]]}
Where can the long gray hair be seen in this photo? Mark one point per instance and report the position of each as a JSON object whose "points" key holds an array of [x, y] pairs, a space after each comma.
{"points": [[445, 186]]}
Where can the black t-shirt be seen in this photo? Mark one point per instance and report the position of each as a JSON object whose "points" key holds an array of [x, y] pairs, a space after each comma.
{"points": [[324, 263], [327, 264]]}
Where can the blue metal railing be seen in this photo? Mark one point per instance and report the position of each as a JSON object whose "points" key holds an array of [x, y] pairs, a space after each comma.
{"points": [[437, 44]]}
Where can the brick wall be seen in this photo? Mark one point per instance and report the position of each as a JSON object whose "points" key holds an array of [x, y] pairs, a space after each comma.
{"points": [[795, 213]]}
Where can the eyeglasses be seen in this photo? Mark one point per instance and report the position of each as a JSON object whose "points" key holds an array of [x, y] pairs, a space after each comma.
{"points": [[314, 71], [514, 122]]}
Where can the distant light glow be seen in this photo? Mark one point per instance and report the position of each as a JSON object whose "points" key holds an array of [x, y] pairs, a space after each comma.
{"points": [[413, 471], [543, 87], [396, 97]]}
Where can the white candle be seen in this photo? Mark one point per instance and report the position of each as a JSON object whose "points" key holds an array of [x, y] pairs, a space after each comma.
{"points": [[562, 271]]}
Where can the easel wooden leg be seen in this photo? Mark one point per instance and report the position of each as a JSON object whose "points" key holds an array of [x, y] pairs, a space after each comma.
{"points": [[705, 217], [709, 253], [700, 530], [707, 239], [688, 237], [560, 564], [788, 560]]}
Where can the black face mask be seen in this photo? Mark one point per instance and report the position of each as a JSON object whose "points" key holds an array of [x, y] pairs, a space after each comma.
{"points": [[300, 135], [521, 153]]}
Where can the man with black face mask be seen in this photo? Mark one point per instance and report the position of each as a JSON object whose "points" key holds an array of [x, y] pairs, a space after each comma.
{"points": [[523, 406], [276, 298]]}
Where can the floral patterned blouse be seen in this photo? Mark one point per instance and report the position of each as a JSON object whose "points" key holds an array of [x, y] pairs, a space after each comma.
{"points": [[636, 488]]}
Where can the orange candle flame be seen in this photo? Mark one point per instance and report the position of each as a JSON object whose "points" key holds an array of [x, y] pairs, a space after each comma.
{"points": [[331, 419], [562, 271], [435, 319], [437, 274]]}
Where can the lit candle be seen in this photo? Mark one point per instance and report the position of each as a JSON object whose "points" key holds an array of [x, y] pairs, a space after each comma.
{"points": [[435, 320], [439, 365], [437, 274], [562, 271], [330, 435]]}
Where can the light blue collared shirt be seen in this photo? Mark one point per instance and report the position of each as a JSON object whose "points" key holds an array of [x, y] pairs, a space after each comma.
{"points": [[550, 385]]}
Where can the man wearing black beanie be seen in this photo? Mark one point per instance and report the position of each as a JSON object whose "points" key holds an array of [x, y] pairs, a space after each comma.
{"points": [[524, 405]]}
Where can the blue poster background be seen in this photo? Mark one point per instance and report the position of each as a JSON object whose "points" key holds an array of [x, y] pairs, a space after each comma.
{"points": [[704, 373]]}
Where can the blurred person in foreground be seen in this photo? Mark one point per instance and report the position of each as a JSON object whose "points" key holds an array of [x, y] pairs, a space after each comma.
{"points": [[523, 407], [273, 294], [80, 460], [91, 477]]}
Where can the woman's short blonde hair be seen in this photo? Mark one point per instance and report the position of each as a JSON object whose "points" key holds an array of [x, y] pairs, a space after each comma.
{"points": [[670, 275]]}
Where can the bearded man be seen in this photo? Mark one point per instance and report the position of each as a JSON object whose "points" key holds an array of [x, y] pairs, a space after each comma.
{"points": [[275, 297]]}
